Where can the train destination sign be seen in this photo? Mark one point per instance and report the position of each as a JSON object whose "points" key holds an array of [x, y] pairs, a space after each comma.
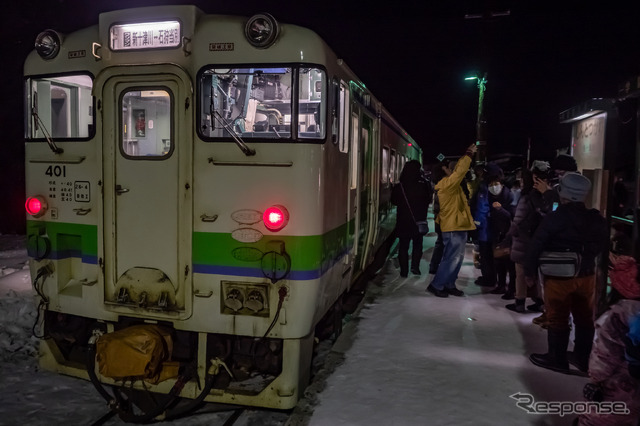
{"points": [[145, 35]]}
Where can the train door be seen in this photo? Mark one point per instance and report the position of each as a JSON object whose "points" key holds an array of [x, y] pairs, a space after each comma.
{"points": [[373, 182], [366, 191], [353, 204], [147, 153]]}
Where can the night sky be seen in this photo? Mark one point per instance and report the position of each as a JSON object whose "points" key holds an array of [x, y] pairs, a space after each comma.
{"points": [[541, 59]]}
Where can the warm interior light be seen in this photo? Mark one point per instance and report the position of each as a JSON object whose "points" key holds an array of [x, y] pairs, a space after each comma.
{"points": [[275, 217], [36, 206]]}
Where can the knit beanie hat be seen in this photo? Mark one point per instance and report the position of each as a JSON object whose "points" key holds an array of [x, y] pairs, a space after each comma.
{"points": [[574, 187], [541, 169], [493, 172]]}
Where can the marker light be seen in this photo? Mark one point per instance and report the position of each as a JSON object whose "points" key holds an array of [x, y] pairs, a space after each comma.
{"points": [[48, 44], [261, 30], [36, 206], [275, 217]]}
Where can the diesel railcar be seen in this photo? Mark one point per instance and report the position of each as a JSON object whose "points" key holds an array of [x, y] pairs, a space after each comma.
{"points": [[202, 190]]}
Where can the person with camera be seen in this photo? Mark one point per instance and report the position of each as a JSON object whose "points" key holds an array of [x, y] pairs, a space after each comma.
{"points": [[455, 220], [527, 217], [548, 202]]}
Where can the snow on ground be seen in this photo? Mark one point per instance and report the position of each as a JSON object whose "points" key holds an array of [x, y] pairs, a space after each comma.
{"points": [[405, 358], [421, 360]]}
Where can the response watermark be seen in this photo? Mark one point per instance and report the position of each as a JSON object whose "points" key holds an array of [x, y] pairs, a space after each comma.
{"points": [[527, 402]]}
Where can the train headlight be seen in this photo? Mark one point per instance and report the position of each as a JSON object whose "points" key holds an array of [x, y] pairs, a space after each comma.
{"points": [[261, 30], [275, 217], [36, 206], [48, 44]]}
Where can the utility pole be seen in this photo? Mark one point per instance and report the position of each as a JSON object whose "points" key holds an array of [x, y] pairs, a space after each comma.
{"points": [[486, 16], [481, 122]]}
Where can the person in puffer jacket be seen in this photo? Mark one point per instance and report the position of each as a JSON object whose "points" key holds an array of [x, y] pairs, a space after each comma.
{"points": [[616, 349], [527, 217]]}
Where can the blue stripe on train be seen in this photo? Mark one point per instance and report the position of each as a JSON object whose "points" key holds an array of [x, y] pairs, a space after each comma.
{"points": [[252, 272]]}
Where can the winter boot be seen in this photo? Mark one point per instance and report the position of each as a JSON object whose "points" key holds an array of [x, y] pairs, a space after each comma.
{"points": [[583, 342], [500, 289], [537, 306], [556, 357], [476, 257], [541, 320], [508, 295], [517, 307], [403, 261]]}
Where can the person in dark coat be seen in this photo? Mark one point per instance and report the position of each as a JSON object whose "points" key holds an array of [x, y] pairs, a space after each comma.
{"points": [[572, 227], [412, 195], [527, 217], [499, 221], [483, 208], [550, 199]]}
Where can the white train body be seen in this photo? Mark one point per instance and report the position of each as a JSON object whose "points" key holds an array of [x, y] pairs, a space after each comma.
{"points": [[153, 153]]}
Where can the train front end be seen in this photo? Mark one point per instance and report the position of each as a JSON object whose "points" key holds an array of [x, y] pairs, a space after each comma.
{"points": [[181, 235]]}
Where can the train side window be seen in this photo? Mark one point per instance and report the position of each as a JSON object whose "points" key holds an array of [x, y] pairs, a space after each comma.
{"points": [[146, 125], [355, 152], [344, 117], [384, 175], [312, 103], [60, 107], [392, 169], [335, 110]]}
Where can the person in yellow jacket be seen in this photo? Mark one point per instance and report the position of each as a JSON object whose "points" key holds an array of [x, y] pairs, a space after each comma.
{"points": [[455, 220]]}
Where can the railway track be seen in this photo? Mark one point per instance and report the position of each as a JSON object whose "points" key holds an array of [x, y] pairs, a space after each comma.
{"points": [[213, 414]]}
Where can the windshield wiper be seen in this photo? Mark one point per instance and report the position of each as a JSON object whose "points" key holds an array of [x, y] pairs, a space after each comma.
{"points": [[276, 132], [238, 140], [45, 132]]}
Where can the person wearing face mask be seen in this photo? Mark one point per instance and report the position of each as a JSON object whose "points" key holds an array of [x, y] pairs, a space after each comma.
{"points": [[484, 207], [500, 217]]}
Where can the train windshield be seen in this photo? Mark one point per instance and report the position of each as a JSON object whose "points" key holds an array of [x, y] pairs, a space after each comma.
{"points": [[59, 107], [261, 103]]}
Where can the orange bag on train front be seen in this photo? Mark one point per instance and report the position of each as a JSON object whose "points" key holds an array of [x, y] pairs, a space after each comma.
{"points": [[137, 352]]}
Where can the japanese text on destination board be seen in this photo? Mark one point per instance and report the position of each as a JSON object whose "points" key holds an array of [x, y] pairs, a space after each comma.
{"points": [[149, 35]]}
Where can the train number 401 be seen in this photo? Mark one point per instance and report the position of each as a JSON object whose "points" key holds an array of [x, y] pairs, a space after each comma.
{"points": [[57, 171]]}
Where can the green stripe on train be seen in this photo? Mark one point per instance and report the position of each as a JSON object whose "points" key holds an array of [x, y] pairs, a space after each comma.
{"points": [[308, 253]]}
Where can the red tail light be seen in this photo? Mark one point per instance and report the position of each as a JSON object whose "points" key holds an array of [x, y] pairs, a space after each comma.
{"points": [[275, 217], [36, 206]]}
